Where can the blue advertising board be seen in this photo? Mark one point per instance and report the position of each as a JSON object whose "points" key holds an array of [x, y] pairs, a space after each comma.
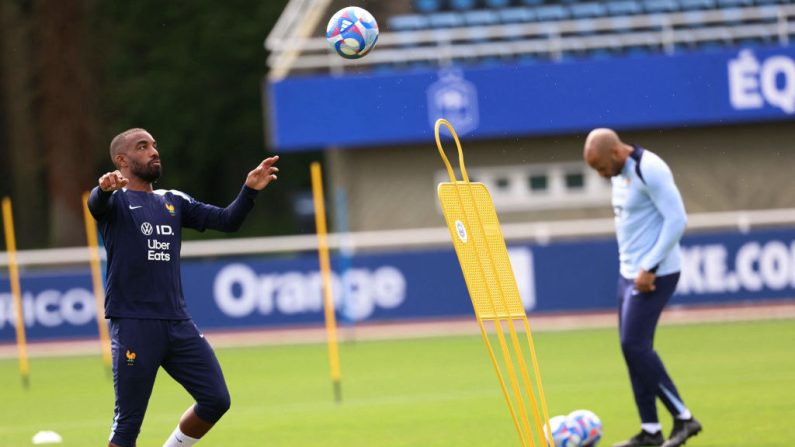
{"points": [[425, 284], [732, 86]]}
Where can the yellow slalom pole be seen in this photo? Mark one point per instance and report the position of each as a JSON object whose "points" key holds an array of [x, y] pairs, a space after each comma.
{"points": [[96, 276], [16, 291], [325, 272]]}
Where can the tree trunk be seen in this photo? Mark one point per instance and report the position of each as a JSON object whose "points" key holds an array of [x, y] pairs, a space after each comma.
{"points": [[68, 121], [19, 90]]}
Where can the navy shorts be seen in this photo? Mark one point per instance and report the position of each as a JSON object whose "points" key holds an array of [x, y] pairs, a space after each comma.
{"points": [[140, 348]]}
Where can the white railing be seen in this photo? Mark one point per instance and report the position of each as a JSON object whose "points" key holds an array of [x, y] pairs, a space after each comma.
{"points": [[539, 232], [549, 38], [298, 19]]}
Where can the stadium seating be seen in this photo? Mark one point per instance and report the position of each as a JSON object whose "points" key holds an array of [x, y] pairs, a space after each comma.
{"points": [[658, 6], [516, 15], [699, 25], [426, 6], [462, 5], [548, 13], [586, 10], [687, 5], [624, 7], [481, 17], [496, 4]]}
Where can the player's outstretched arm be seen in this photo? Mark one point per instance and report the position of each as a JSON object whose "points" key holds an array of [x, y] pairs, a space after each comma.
{"points": [[100, 196], [200, 215], [112, 181], [263, 174]]}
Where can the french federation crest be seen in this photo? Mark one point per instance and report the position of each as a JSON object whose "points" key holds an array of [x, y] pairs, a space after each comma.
{"points": [[455, 99]]}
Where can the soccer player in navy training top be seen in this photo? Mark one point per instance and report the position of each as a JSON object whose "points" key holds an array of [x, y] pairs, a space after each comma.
{"points": [[149, 320], [650, 220]]}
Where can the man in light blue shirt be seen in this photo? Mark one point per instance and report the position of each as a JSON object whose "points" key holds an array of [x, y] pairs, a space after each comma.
{"points": [[650, 220]]}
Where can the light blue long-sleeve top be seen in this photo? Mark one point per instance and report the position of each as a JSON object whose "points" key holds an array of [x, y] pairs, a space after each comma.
{"points": [[650, 215]]}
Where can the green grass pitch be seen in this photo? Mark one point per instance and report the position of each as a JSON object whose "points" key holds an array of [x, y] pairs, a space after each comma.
{"points": [[738, 378]]}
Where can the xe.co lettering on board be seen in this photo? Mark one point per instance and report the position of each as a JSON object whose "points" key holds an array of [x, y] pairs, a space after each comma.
{"points": [[756, 266]]}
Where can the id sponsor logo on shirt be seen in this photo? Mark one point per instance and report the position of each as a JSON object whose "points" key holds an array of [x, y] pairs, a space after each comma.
{"points": [[158, 250]]}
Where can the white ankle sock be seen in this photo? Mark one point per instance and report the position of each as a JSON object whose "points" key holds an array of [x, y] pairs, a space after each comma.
{"points": [[179, 439], [685, 415], [651, 427]]}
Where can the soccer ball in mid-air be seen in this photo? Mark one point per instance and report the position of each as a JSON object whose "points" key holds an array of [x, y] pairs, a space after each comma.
{"points": [[587, 425], [352, 32], [563, 432]]}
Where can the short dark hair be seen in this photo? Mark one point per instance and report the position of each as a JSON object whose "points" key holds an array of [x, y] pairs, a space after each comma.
{"points": [[117, 143]]}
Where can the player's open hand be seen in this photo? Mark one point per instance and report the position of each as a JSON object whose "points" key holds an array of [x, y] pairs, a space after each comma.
{"points": [[644, 283], [263, 174], [112, 181]]}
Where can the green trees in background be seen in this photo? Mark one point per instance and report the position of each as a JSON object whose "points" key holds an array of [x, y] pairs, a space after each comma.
{"points": [[77, 72]]}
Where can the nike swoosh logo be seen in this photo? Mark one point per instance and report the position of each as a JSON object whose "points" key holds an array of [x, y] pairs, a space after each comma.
{"points": [[135, 207], [178, 440]]}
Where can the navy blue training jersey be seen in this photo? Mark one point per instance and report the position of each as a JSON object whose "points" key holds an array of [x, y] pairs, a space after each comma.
{"points": [[143, 237]]}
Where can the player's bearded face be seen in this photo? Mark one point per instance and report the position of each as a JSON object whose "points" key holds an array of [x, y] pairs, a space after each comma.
{"points": [[148, 171]]}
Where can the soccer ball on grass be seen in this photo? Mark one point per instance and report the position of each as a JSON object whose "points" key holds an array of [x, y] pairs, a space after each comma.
{"points": [[587, 425], [563, 432]]}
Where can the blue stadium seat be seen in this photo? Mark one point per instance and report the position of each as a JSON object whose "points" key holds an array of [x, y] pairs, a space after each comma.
{"points": [[496, 4], [734, 3], [754, 42], [711, 46], [771, 2], [688, 5], [658, 6], [601, 53], [420, 65], [748, 43], [527, 59], [572, 55], [551, 12], [638, 51], [516, 15], [532, 2], [408, 22], [623, 7], [481, 17], [491, 61], [465, 61], [384, 68], [426, 6], [462, 5], [445, 20], [587, 10]]}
